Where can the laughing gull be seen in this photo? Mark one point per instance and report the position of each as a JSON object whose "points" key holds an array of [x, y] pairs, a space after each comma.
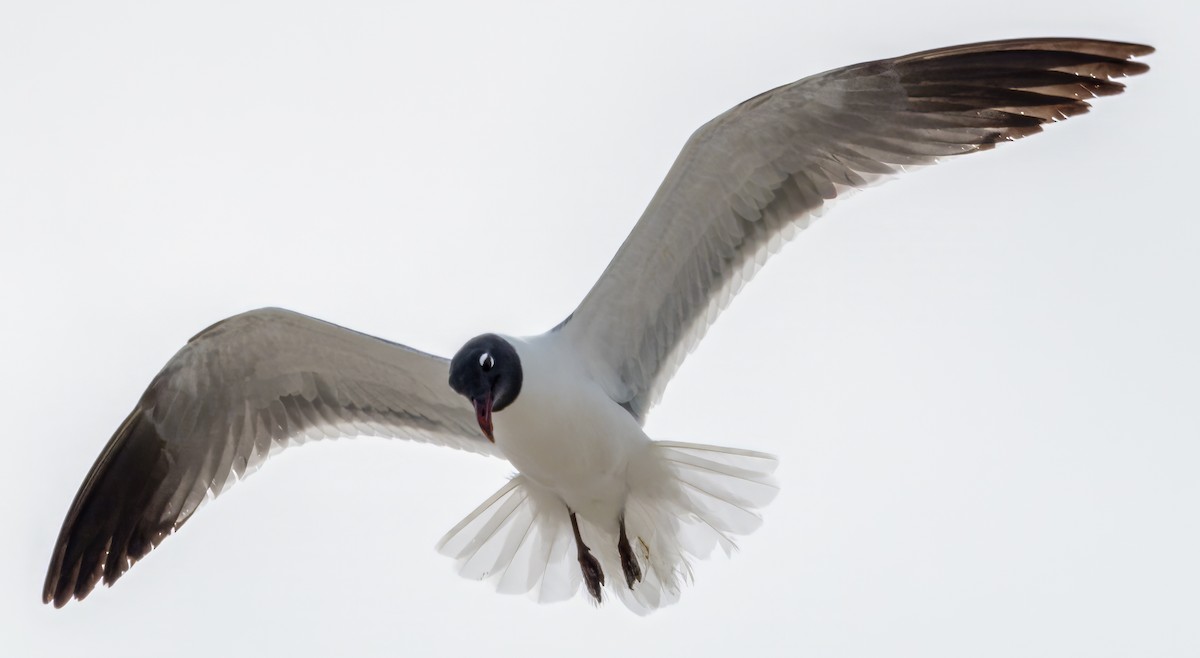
{"points": [[594, 496]]}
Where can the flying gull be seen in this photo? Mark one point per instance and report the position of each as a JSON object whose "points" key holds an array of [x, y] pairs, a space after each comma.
{"points": [[595, 501]]}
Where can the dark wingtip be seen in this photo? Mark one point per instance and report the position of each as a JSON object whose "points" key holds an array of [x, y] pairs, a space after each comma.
{"points": [[111, 523], [1014, 87], [1101, 47]]}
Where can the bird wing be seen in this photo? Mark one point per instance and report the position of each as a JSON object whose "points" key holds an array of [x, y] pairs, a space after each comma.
{"points": [[748, 180], [238, 392]]}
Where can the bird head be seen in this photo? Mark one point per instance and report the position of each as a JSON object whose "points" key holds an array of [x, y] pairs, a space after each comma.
{"points": [[486, 371]]}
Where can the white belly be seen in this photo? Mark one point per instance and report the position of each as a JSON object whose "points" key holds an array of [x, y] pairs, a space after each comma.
{"points": [[565, 434]]}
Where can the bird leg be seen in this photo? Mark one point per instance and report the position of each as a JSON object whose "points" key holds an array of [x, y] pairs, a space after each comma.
{"points": [[629, 563], [593, 575]]}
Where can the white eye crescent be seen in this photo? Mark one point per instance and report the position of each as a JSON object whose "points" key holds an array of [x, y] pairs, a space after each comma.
{"points": [[485, 361]]}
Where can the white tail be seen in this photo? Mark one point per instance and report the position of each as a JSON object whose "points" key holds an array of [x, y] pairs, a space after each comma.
{"points": [[684, 500]]}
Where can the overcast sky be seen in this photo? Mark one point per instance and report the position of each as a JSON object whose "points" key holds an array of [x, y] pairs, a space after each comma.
{"points": [[981, 379]]}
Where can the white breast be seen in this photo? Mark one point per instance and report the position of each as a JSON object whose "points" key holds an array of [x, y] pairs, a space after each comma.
{"points": [[565, 433]]}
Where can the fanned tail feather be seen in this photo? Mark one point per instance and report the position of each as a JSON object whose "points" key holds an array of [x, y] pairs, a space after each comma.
{"points": [[520, 538], [684, 500]]}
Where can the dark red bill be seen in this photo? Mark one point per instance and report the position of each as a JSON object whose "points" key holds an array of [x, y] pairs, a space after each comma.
{"points": [[483, 414]]}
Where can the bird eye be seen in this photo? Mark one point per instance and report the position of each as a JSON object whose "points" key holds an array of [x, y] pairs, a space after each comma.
{"points": [[486, 362]]}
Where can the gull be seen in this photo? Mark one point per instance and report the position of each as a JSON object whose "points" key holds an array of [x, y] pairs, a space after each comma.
{"points": [[595, 502]]}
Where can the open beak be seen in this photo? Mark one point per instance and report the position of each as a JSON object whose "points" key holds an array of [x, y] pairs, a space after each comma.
{"points": [[483, 414]]}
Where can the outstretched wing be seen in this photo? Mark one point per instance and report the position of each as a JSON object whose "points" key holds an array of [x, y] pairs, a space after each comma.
{"points": [[749, 179], [238, 392]]}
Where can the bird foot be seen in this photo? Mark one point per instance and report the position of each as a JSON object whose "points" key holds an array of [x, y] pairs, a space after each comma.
{"points": [[593, 575], [629, 563]]}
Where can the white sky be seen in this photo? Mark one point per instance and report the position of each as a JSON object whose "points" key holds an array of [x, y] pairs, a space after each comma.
{"points": [[981, 379]]}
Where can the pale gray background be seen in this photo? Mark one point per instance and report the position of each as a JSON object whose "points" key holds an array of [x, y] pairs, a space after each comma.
{"points": [[981, 379]]}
